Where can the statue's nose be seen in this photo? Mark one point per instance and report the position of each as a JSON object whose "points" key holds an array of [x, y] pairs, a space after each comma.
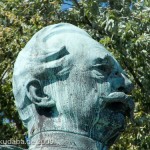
{"points": [[121, 83], [128, 85]]}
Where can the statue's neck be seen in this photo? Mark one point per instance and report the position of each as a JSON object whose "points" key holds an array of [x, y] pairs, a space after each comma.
{"points": [[58, 140]]}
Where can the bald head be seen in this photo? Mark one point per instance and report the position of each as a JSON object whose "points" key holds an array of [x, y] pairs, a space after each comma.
{"points": [[43, 58], [62, 81]]}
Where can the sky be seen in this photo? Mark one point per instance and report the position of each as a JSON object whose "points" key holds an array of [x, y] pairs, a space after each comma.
{"points": [[68, 4]]}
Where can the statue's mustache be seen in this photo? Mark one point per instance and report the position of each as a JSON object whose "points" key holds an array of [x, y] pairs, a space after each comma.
{"points": [[116, 98]]}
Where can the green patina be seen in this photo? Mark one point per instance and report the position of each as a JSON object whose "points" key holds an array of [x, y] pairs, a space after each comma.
{"points": [[70, 92]]}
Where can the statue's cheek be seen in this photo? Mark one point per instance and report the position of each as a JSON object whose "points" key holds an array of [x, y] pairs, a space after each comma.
{"points": [[103, 88]]}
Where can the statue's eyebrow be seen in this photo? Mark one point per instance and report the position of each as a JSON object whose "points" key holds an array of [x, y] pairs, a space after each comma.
{"points": [[52, 56], [52, 62], [99, 61], [57, 55], [104, 60]]}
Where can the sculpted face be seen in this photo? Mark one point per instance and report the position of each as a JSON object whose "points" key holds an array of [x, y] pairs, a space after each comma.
{"points": [[91, 97], [70, 83]]}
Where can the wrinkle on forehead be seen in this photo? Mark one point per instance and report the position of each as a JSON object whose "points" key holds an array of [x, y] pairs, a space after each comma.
{"points": [[83, 49]]}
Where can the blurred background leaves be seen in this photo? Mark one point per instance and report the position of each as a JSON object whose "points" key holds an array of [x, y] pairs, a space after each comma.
{"points": [[122, 26]]}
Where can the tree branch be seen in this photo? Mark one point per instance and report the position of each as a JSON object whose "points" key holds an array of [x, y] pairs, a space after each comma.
{"points": [[134, 76], [3, 74]]}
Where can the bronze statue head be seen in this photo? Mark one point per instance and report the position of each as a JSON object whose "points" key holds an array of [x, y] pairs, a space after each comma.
{"points": [[64, 81]]}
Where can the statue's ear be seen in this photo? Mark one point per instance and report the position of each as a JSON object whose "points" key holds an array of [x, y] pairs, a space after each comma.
{"points": [[35, 93]]}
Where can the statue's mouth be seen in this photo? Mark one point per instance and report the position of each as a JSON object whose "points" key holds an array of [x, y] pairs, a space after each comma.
{"points": [[115, 108], [119, 102]]}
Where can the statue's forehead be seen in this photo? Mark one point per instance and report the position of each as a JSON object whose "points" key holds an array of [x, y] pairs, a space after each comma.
{"points": [[81, 48], [95, 56], [91, 53]]}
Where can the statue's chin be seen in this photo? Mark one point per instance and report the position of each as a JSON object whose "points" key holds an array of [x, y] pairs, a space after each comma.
{"points": [[109, 126]]}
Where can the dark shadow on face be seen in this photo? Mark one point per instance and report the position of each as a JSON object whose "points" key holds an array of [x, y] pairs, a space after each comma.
{"points": [[55, 79], [47, 112]]}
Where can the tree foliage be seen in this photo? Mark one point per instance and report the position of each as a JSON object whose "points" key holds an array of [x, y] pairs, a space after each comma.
{"points": [[123, 28]]}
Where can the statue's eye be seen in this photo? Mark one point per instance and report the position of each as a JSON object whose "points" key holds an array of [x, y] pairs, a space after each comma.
{"points": [[102, 68]]}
